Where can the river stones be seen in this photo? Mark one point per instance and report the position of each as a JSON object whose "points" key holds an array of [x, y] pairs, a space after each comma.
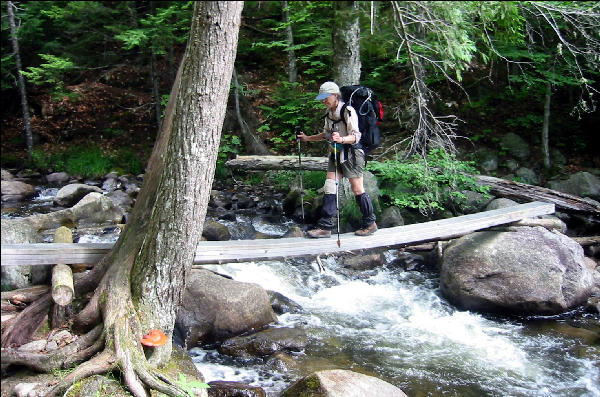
{"points": [[16, 190], [528, 271], [342, 383], [221, 388], [265, 343], [72, 193]]}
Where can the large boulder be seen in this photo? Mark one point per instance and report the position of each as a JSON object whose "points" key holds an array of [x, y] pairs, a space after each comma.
{"points": [[16, 190], [515, 146], [14, 231], [215, 307], [527, 271], [58, 178], [71, 194], [341, 383], [583, 184]]}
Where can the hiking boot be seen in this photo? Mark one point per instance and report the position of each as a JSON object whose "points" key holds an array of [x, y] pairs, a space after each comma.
{"points": [[367, 231], [318, 233]]}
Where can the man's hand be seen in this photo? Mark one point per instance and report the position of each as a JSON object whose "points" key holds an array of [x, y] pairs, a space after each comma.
{"points": [[335, 137], [300, 135]]}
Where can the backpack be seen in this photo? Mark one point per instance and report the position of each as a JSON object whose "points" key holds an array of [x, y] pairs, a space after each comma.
{"points": [[369, 111]]}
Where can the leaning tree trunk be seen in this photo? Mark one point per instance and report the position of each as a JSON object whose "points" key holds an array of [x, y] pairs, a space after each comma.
{"points": [[140, 282], [346, 44], [20, 80]]}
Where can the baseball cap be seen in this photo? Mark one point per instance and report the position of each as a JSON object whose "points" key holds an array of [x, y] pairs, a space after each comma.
{"points": [[327, 89]]}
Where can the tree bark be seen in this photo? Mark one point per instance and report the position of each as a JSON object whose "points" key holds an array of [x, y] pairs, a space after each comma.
{"points": [[346, 44], [179, 183], [546, 127], [253, 144], [289, 38], [20, 79]]}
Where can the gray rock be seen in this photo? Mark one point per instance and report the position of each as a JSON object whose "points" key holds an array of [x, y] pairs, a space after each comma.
{"points": [[557, 158], [221, 388], [528, 271], [282, 304], [487, 159], [214, 307], [528, 176], [265, 343], [341, 383], [515, 146], [16, 190], [25, 389], [391, 217], [6, 175], [583, 184], [57, 178], [121, 199], [500, 203], [364, 261], [71, 194], [110, 185], [51, 346], [215, 231], [511, 164], [474, 202], [16, 231]]}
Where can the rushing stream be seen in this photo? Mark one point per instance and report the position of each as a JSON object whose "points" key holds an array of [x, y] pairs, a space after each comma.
{"points": [[393, 324]]}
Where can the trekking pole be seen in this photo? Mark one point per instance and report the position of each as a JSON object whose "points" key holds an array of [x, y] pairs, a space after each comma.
{"points": [[337, 204], [300, 167]]}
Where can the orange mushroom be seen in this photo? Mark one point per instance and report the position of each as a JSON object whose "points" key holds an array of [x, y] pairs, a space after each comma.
{"points": [[154, 338]]}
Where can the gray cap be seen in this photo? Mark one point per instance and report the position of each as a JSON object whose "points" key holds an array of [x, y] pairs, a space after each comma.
{"points": [[327, 89]]}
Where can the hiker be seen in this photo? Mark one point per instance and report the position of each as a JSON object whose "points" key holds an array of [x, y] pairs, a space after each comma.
{"points": [[350, 158]]}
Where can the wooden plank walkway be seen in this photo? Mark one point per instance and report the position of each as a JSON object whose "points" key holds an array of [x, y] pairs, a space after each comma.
{"points": [[216, 252]]}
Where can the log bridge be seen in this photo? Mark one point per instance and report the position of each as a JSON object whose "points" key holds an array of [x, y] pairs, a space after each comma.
{"points": [[219, 252]]}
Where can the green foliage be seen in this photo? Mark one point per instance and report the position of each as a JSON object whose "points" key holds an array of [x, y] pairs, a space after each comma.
{"points": [[281, 179], [426, 184], [229, 147], [189, 386], [292, 108], [52, 73], [88, 161]]}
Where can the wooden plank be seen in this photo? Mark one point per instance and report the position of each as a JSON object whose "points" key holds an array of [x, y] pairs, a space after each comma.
{"points": [[50, 254], [247, 250]]}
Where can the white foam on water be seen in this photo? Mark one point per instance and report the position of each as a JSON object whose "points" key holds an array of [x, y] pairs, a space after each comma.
{"points": [[397, 322]]}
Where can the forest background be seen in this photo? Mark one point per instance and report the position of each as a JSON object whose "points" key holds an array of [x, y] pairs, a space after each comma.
{"points": [[455, 75]]}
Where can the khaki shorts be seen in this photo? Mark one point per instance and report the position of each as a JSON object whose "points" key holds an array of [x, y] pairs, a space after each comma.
{"points": [[349, 168]]}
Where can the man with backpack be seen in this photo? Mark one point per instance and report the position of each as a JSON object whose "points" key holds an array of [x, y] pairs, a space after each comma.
{"points": [[347, 159]]}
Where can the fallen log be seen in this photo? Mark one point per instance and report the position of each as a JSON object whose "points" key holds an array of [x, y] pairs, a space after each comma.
{"points": [[517, 191], [587, 241], [524, 192], [62, 275], [264, 163]]}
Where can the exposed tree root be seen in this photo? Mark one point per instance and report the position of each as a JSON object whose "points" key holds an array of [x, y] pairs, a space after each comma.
{"points": [[65, 357], [98, 365], [27, 322]]}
